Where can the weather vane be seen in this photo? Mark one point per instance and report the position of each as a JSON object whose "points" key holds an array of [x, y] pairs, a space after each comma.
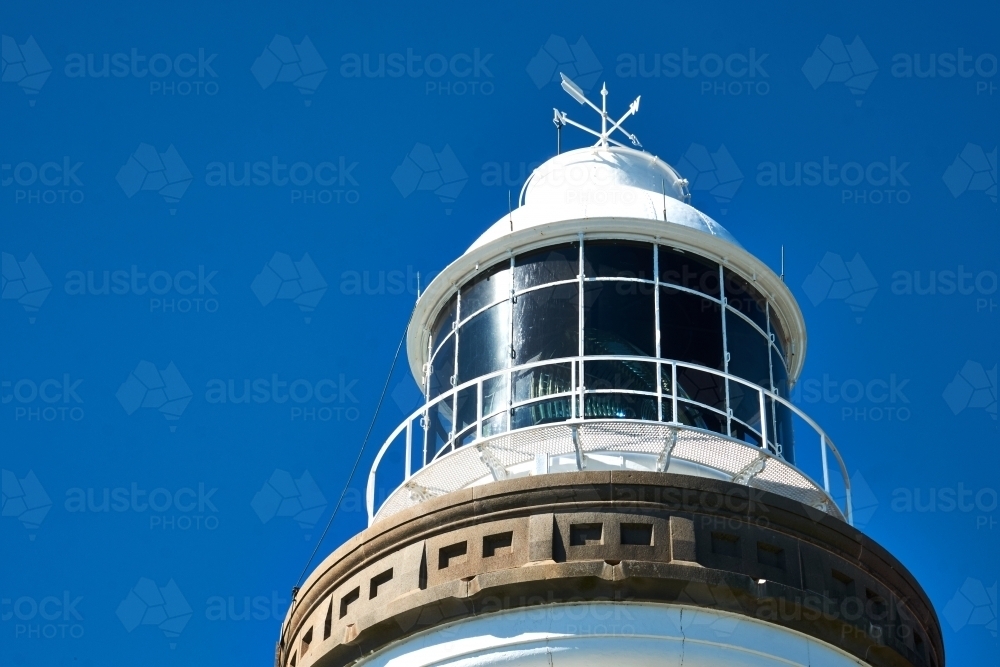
{"points": [[608, 126]]}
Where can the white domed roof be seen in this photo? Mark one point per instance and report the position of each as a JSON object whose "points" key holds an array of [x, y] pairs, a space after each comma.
{"points": [[595, 169], [604, 182]]}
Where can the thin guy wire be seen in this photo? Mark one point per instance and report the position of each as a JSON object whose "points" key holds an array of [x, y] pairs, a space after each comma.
{"points": [[360, 452]]}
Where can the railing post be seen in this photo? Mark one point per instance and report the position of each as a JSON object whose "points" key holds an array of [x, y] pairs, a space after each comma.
{"points": [[826, 470], [479, 409], [370, 497], [659, 391], [454, 416], [572, 384], [409, 447], [673, 391], [763, 420], [850, 507], [510, 397], [424, 423]]}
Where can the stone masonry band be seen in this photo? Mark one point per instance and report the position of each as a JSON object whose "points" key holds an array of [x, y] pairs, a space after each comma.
{"points": [[611, 536]]}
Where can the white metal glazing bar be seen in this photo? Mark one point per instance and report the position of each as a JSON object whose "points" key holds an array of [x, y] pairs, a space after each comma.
{"points": [[656, 320], [579, 330], [725, 349]]}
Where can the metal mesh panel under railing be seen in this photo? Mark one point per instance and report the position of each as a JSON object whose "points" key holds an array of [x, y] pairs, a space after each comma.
{"points": [[645, 438], [511, 455]]}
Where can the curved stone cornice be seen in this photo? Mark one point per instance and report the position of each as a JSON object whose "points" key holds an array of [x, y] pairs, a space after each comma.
{"points": [[616, 535]]}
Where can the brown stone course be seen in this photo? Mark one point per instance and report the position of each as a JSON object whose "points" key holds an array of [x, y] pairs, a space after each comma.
{"points": [[622, 536]]}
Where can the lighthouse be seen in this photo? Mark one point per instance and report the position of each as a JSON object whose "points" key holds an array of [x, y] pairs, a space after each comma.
{"points": [[607, 468]]}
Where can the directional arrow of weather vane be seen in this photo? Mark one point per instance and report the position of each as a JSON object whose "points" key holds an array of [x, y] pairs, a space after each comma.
{"points": [[608, 125]]}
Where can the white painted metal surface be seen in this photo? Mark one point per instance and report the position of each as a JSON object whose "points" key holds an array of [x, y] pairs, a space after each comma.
{"points": [[604, 182], [601, 634]]}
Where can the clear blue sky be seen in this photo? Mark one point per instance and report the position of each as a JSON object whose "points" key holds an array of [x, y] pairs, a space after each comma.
{"points": [[142, 171]]}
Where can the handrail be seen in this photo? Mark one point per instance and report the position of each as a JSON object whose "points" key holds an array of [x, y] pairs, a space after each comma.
{"points": [[763, 395]]}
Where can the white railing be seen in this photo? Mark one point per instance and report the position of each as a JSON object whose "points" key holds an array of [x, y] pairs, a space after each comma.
{"points": [[441, 415]]}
